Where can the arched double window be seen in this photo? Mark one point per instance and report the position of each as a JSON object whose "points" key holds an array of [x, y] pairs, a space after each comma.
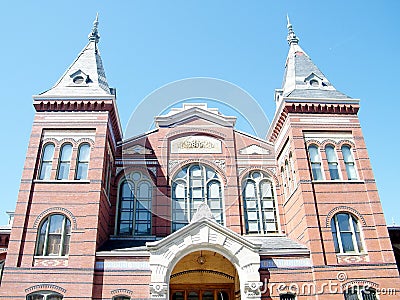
{"points": [[259, 204], [44, 295], [135, 197], [64, 161], [360, 293], [346, 234], [191, 186], [47, 161], [54, 236], [82, 164]]}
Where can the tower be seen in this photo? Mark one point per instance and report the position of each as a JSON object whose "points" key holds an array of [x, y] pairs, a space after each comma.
{"points": [[64, 186], [329, 196]]}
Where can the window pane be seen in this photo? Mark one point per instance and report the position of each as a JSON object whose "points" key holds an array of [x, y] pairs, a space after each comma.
{"points": [[54, 297], [66, 245], [347, 241], [316, 171], [347, 154], [343, 220], [63, 170], [253, 226], [82, 170], [66, 152], [53, 244], [330, 154], [250, 191], [266, 189], [56, 223], [351, 171], [213, 190], [333, 171], [314, 155], [45, 171], [36, 297], [48, 152], [84, 152], [179, 190], [144, 190]]}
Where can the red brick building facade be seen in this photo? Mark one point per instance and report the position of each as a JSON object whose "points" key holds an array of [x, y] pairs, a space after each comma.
{"points": [[196, 209]]}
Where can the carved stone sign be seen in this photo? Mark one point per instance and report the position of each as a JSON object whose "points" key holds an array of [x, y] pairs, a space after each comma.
{"points": [[196, 144]]}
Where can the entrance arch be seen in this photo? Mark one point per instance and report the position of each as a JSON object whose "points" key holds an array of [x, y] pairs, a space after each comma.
{"points": [[204, 235], [204, 275]]}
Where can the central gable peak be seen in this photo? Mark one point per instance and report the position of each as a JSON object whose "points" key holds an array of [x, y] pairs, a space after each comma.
{"points": [[191, 111]]}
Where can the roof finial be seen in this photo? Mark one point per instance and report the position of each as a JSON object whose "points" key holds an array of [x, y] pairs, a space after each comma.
{"points": [[291, 37], [94, 35]]}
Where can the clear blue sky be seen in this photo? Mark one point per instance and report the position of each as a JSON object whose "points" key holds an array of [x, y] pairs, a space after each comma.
{"points": [[146, 44]]}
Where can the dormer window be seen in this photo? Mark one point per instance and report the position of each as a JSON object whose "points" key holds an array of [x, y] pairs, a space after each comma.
{"points": [[78, 79]]}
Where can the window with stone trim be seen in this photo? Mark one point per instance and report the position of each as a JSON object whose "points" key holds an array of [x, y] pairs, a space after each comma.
{"points": [[259, 204], [1, 268], [349, 162], [46, 161], [332, 162], [360, 293], [121, 298], [44, 295], [134, 208], [64, 162], [54, 236], [315, 161], [346, 233], [82, 163], [191, 186]]}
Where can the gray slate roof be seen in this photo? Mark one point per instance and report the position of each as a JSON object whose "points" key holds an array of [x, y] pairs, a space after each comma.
{"points": [[276, 243], [300, 71]]}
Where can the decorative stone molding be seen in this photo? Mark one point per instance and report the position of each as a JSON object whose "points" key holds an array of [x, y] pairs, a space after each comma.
{"points": [[204, 234], [254, 149], [121, 292], [137, 149], [158, 290], [172, 164], [352, 259], [220, 163], [51, 287], [56, 209], [253, 289], [53, 263], [344, 209], [203, 211]]}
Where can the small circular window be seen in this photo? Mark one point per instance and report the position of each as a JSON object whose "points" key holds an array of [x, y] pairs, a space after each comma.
{"points": [[78, 79], [314, 82]]}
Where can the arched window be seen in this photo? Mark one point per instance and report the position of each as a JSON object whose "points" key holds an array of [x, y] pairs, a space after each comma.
{"points": [[44, 295], [315, 160], [47, 161], [259, 204], [346, 233], [190, 187], [82, 164], [360, 293], [332, 162], [54, 236], [349, 162], [64, 161], [135, 195]]}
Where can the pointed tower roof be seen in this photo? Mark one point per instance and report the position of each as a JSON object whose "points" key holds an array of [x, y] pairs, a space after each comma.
{"points": [[85, 76], [302, 78]]}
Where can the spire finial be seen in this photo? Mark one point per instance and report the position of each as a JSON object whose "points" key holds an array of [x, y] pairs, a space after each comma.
{"points": [[94, 34], [291, 37]]}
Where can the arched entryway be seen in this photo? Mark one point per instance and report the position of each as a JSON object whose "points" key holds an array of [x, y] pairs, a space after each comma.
{"points": [[204, 275]]}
